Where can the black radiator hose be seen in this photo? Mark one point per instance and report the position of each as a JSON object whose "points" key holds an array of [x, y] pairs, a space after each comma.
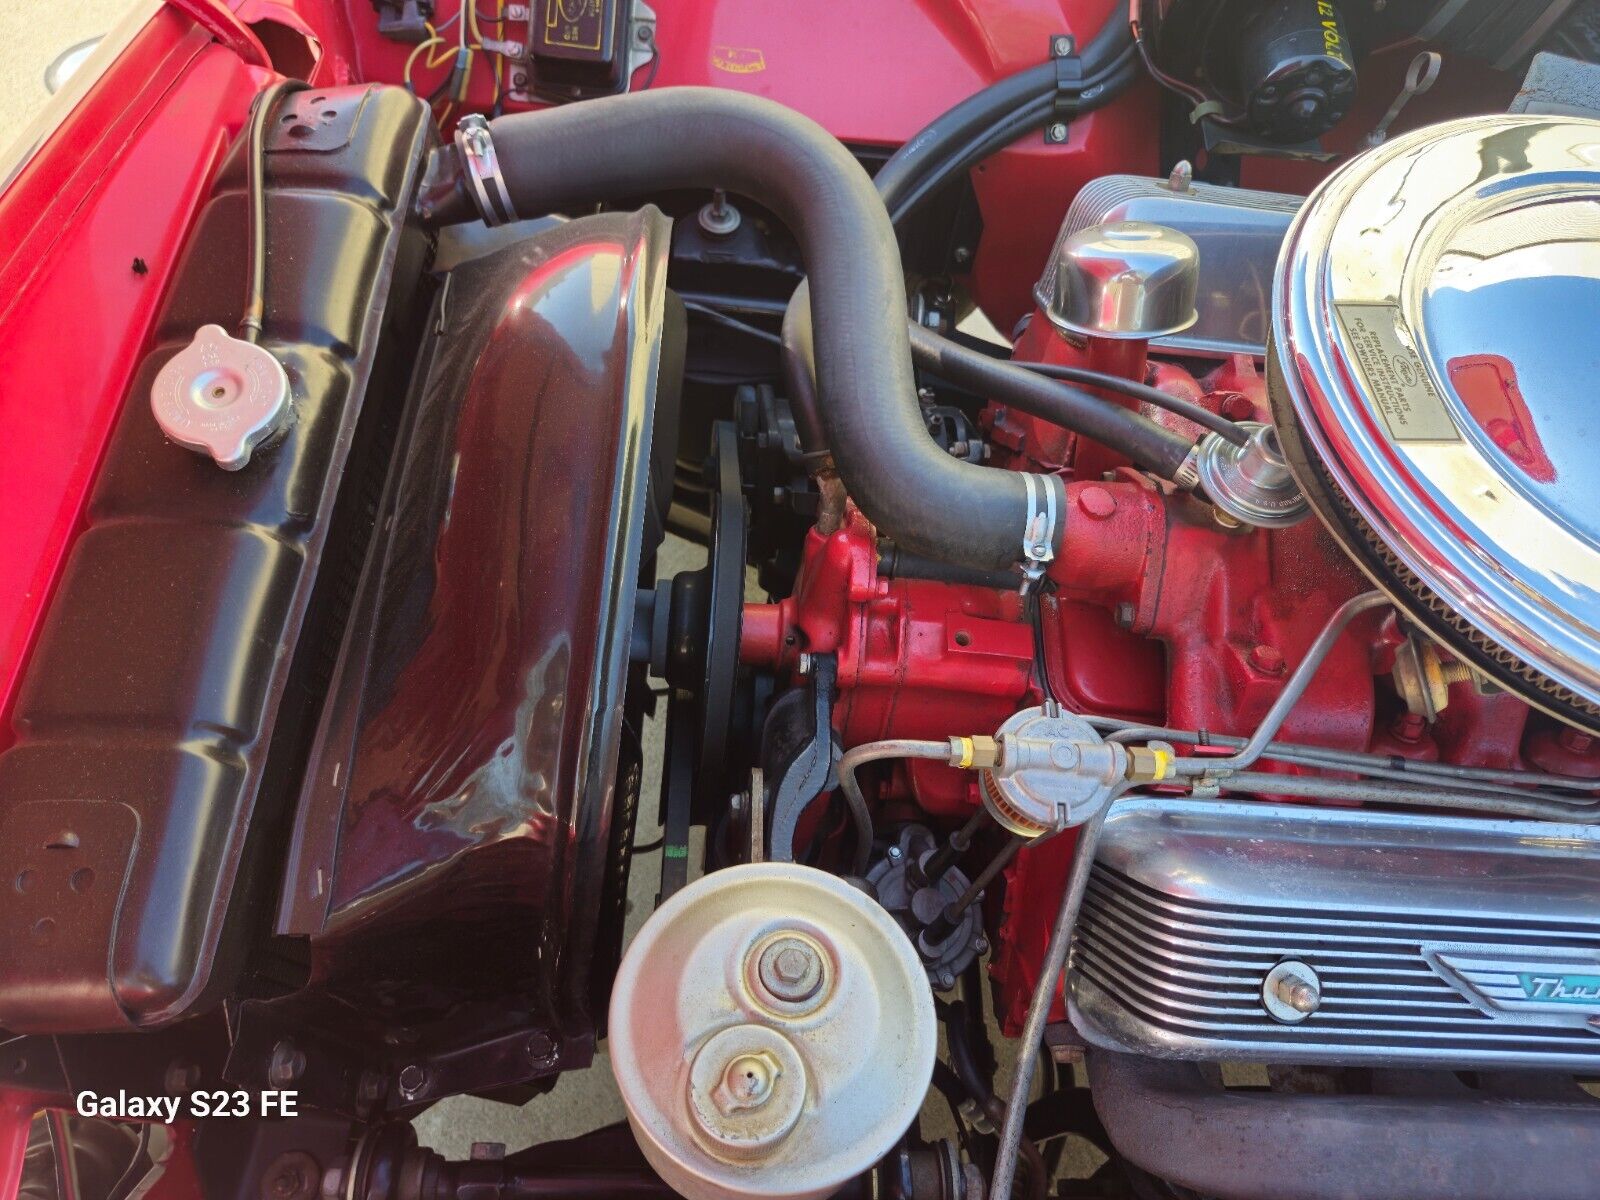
{"points": [[624, 146]]}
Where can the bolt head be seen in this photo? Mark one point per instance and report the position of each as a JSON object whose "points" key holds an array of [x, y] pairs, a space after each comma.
{"points": [[1575, 741], [1057, 133], [1061, 46], [790, 969], [286, 1065], [1125, 614], [1291, 992], [413, 1078]]}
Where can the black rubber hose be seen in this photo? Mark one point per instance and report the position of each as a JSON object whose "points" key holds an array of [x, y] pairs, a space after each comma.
{"points": [[255, 170], [1187, 409], [894, 563], [931, 152], [1135, 435], [950, 145], [621, 146], [1007, 126]]}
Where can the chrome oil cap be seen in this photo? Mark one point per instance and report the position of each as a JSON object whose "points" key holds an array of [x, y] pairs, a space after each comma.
{"points": [[1436, 328], [1125, 279]]}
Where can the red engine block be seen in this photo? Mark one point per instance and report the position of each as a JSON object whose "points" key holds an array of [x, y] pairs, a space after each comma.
{"points": [[1161, 613]]}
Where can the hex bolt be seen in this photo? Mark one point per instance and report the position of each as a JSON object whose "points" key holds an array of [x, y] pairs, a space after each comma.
{"points": [[790, 969], [413, 1079], [286, 1065], [1061, 45], [1575, 741], [1291, 992], [1299, 994], [1056, 134]]}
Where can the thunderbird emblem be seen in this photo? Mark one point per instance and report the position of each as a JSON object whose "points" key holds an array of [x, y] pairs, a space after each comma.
{"points": [[1524, 985]]}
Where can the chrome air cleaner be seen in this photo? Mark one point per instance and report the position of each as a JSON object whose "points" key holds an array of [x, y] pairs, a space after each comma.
{"points": [[1436, 330]]}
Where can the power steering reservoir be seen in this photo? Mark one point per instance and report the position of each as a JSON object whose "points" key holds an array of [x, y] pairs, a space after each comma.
{"points": [[772, 1034]]}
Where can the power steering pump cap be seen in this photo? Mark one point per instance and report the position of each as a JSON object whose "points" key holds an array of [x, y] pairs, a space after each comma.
{"points": [[1432, 380], [772, 1034]]}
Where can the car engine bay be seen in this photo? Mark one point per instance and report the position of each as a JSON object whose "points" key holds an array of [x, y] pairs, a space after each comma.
{"points": [[1150, 603]]}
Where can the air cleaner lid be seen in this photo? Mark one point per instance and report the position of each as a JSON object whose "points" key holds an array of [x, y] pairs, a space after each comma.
{"points": [[1436, 325]]}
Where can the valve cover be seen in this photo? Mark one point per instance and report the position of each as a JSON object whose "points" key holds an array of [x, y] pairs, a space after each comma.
{"points": [[1432, 375]]}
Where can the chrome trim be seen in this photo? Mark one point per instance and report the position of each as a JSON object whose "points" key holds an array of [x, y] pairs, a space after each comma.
{"points": [[1238, 232], [1193, 903], [1433, 321]]}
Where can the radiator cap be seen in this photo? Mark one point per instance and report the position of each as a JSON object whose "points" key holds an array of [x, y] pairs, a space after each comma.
{"points": [[221, 396]]}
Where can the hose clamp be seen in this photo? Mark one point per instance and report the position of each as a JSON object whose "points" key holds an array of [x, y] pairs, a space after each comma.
{"points": [[1039, 532], [475, 145], [1187, 476]]}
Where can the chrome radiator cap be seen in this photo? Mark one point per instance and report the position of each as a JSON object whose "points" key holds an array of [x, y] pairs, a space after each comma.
{"points": [[1217, 930], [1435, 321]]}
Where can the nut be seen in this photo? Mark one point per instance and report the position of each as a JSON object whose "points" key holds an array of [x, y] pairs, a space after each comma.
{"points": [[790, 968], [1291, 992]]}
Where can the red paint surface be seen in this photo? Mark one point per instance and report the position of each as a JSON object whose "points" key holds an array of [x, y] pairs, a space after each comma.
{"points": [[1160, 614], [122, 178]]}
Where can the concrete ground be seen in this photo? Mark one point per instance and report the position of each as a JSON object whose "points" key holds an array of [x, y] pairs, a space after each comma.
{"points": [[37, 31]]}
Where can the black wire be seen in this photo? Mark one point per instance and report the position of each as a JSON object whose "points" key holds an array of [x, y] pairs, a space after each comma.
{"points": [[1187, 409], [255, 302], [723, 318], [1042, 110], [655, 61]]}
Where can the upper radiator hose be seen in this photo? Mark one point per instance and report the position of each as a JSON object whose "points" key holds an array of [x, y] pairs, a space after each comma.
{"points": [[624, 146]]}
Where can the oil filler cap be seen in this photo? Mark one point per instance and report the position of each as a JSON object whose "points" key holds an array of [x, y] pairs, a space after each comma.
{"points": [[221, 396], [772, 1034]]}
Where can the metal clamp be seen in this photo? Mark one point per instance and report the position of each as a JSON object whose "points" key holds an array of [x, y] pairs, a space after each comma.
{"points": [[1039, 531], [1069, 73], [475, 145]]}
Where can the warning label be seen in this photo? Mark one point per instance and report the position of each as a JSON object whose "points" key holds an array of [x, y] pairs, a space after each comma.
{"points": [[1396, 380]]}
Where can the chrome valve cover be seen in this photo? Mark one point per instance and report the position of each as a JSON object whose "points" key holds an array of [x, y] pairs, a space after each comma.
{"points": [[1435, 356], [1394, 938]]}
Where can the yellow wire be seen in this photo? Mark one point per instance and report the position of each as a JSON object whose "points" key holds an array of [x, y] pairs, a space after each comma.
{"points": [[433, 39]]}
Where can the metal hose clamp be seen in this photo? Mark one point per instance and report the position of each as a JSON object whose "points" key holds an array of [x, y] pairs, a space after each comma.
{"points": [[476, 148], [1039, 533]]}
